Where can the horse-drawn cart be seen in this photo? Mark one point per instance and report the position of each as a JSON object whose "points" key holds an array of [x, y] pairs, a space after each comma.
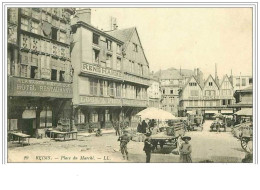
{"points": [[168, 137]]}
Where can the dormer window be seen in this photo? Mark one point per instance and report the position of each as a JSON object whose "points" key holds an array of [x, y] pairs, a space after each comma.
{"points": [[210, 83]]}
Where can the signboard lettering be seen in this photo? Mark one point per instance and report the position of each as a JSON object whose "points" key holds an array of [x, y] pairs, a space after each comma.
{"points": [[30, 87], [89, 68], [100, 100]]}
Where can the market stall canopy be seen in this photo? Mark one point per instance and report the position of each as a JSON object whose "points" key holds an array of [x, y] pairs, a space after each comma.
{"points": [[155, 113], [245, 111], [211, 111]]}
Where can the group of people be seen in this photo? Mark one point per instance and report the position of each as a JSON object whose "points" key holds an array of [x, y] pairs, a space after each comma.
{"points": [[184, 149]]}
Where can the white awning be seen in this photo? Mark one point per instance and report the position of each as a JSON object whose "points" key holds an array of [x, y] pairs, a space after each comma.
{"points": [[227, 111], [211, 111], [191, 112], [29, 114]]}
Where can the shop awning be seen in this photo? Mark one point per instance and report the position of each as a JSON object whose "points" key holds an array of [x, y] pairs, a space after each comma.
{"points": [[211, 111], [245, 112], [191, 112], [29, 114], [227, 111]]}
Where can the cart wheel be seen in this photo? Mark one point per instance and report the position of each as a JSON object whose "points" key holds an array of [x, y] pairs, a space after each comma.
{"points": [[244, 142]]}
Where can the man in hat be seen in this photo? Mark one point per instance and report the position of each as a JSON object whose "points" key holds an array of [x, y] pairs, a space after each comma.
{"points": [[148, 147], [124, 139], [185, 150]]}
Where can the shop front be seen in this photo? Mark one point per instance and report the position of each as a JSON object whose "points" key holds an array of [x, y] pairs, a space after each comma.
{"points": [[35, 105]]}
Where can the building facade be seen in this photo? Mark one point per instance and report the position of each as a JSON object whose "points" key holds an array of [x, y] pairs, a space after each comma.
{"points": [[154, 93], [39, 69], [111, 75], [209, 98], [244, 98], [240, 82], [172, 80]]}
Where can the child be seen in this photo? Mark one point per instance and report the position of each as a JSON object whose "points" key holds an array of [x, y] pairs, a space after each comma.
{"points": [[185, 150]]}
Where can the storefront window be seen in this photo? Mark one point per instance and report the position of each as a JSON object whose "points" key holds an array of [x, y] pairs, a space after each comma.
{"points": [[46, 118], [81, 117], [107, 115], [118, 90], [94, 117]]}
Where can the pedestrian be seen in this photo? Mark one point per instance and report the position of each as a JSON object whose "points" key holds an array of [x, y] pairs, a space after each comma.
{"points": [[185, 150], [148, 147], [139, 127], [98, 132], [144, 126], [116, 127], [124, 139]]}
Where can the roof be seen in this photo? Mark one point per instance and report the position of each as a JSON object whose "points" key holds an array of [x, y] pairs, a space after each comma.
{"points": [[247, 89], [210, 76], [225, 76], [190, 80], [125, 35], [173, 73]]}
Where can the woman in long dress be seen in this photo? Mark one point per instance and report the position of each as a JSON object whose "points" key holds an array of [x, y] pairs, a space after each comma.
{"points": [[185, 150]]}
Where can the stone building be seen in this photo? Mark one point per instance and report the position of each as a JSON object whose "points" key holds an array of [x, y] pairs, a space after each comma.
{"points": [[154, 92], [39, 69], [111, 74]]}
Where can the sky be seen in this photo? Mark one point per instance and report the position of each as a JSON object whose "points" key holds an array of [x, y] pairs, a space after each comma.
{"points": [[188, 37]]}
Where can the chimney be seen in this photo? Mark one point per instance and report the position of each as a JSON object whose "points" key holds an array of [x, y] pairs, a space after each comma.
{"points": [[84, 15], [113, 23]]}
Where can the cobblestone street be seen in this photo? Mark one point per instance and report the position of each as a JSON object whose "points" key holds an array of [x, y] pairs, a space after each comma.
{"points": [[206, 146]]}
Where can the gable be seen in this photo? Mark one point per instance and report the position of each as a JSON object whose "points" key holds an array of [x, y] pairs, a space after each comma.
{"points": [[191, 89], [210, 84], [226, 84]]}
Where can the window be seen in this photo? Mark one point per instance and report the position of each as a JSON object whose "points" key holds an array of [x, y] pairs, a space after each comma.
{"points": [[192, 84], [95, 56], [35, 27], [54, 33], [163, 91], [111, 88], [119, 49], [94, 117], [62, 37], [34, 71], [243, 82], [118, 63], [223, 102], [237, 81], [93, 86], [171, 91], [81, 117], [195, 103], [229, 102], [109, 60], [250, 81], [23, 70], [53, 74], [118, 90], [101, 87], [109, 45], [62, 76], [95, 39], [210, 83], [107, 115], [25, 24], [135, 47]]}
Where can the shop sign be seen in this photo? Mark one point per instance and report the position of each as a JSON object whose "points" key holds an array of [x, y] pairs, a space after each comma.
{"points": [[97, 69], [135, 103], [93, 100], [39, 88]]}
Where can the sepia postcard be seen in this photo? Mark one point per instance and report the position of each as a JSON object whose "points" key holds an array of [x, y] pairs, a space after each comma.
{"points": [[88, 84]]}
